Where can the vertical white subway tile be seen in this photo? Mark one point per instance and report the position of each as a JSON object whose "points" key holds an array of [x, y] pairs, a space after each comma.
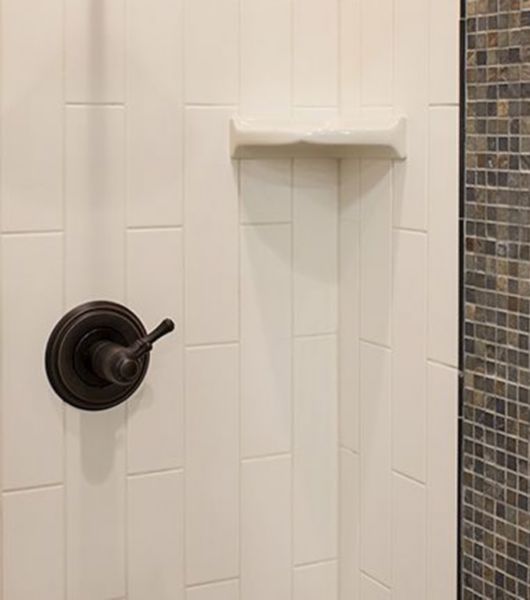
{"points": [[212, 464], [376, 250], [349, 331], [350, 189], [373, 590], [95, 51], [265, 48], [211, 51], [376, 473], [155, 537], [315, 246], [154, 112], [266, 346], [409, 353], [32, 415], [411, 97], [155, 291], [266, 191], [315, 52], [266, 545], [31, 113], [95, 504], [377, 39], [444, 51], [315, 463], [443, 235], [350, 55], [33, 545], [316, 582], [349, 526], [95, 260], [211, 239], [95, 176], [227, 590], [409, 540], [442, 479]]}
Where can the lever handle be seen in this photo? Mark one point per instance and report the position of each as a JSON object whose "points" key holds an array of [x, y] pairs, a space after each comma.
{"points": [[122, 364]]}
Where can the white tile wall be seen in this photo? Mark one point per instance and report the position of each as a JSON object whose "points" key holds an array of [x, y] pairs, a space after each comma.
{"points": [[266, 344], [212, 464], [31, 112], [315, 464], [155, 536], [33, 545], [266, 529], [220, 480]]}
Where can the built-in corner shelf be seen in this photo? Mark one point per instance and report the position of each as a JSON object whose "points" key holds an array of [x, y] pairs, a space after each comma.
{"points": [[363, 138]]}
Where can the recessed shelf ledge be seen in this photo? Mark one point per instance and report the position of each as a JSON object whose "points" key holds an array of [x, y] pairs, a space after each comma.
{"points": [[364, 138]]}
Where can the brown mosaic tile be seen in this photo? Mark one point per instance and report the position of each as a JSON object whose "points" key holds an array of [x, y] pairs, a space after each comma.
{"points": [[495, 413]]}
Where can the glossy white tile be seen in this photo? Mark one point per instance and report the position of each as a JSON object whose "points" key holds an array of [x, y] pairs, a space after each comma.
{"points": [[409, 354], [266, 526], [376, 453], [443, 235], [316, 581], [32, 415], [211, 51], [95, 493], [32, 115], [377, 39], [349, 526], [411, 97], [315, 465], [266, 346], [442, 480], [265, 44], [266, 193], [376, 251], [155, 292], [444, 51], [315, 263], [211, 232], [315, 53], [373, 590], [212, 464], [95, 204], [155, 537], [33, 545], [349, 332], [227, 590], [95, 51], [154, 112], [409, 540]]}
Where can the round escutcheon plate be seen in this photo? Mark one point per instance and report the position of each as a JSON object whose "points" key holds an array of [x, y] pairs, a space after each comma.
{"points": [[68, 357]]}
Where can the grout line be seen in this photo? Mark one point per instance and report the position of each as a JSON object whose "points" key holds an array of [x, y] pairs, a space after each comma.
{"points": [[375, 580], [376, 344], [440, 363], [153, 228], [399, 228], [409, 478], [154, 472], [265, 457], [350, 451], [29, 232], [264, 223], [315, 336], [33, 488], [232, 106], [197, 586], [317, 563], [208, 345], [72, 104]]}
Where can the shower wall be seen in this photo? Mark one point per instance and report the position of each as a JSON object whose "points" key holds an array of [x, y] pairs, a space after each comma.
{"points": [[295, 439], [399, 308], [495, 537]]}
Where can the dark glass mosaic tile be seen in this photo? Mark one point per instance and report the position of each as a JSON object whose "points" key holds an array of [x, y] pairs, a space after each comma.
{"points": [[495, 528]]}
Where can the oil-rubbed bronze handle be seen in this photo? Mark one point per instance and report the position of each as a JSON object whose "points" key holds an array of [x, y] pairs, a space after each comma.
{"points": [[120, 364], [98, 354]]}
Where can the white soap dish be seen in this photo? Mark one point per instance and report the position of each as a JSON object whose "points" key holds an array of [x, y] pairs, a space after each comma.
{"points": [[383, 138]]}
